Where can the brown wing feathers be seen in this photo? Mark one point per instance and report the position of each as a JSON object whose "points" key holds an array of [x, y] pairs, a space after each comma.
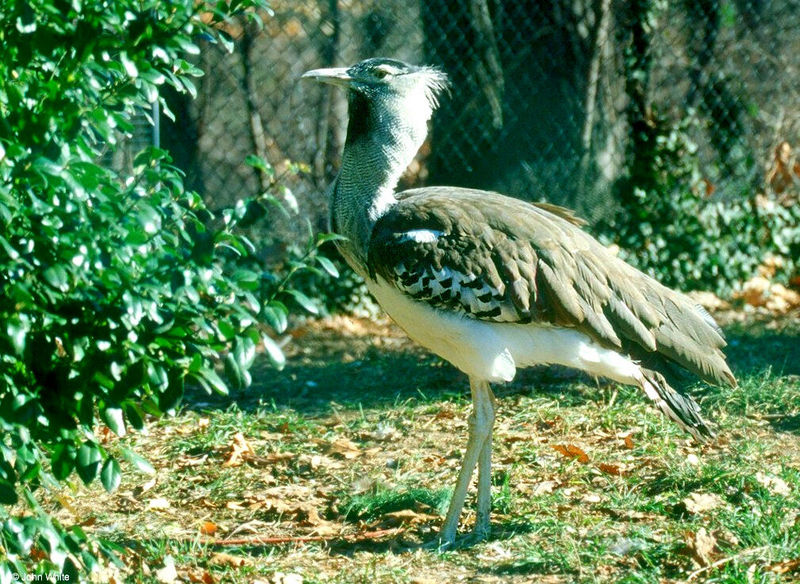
{"points": [[502, 259]]}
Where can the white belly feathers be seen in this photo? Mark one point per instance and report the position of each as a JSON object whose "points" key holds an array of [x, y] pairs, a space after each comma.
{"points": [[492, 351]]}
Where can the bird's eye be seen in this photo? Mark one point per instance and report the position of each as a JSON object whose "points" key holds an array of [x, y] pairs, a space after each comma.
{"points": [[381, 73]]}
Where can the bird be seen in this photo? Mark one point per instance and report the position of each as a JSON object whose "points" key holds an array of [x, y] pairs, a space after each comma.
{"points": [[492, 283]]}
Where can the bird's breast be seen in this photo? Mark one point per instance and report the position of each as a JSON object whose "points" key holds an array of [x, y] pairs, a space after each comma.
{"points": [[491, 350]]}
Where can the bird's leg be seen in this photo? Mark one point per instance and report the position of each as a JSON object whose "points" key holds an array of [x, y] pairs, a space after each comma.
{"points": [[481, 421], [481, 529]]}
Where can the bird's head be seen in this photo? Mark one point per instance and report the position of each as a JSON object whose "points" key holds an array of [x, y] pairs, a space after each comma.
{"points": [[388, 85]]}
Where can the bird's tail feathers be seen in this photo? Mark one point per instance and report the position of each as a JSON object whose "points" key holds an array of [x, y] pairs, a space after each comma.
{"points": [[682, 409]]}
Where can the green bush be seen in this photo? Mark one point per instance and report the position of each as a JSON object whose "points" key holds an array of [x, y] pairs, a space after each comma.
{"points": [[671, 232], [115, 291]]}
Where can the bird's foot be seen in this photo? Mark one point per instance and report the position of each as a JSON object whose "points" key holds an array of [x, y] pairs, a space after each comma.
{"points": [[481, 531], [443, 543], [438, 544]]}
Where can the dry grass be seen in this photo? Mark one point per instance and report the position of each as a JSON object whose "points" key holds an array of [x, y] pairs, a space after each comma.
{"points": [[343, 461]]}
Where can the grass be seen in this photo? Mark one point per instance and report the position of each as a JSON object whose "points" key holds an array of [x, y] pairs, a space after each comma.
{"points": [[363, 433]]}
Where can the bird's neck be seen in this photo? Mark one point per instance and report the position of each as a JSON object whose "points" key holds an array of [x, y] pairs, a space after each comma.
{"points": [[381, 143]]}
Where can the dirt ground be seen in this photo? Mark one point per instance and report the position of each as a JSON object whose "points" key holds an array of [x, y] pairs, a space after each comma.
{"points": [[337, 469]]}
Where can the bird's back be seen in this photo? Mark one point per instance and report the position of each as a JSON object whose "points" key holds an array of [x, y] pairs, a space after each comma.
{"points": [[498, 259]]}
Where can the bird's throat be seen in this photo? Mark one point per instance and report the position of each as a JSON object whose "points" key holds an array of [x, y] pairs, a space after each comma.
{"points": [[380, 145]]}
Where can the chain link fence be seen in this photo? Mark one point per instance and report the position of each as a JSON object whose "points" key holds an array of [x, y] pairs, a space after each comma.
{"points": [[546, 103]]}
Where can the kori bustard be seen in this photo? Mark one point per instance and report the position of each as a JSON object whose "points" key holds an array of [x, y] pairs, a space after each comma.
{"points": [[491, 283]]}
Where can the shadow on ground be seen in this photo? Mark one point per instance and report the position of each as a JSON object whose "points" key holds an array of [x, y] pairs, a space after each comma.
{"points": [[753, 348], [378, 367], [332, 368]]}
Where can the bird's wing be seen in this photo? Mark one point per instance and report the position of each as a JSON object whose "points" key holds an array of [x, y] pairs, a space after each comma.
{"points": [[496, 258]]}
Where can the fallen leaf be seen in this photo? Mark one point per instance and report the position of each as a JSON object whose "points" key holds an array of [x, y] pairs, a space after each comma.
{"points": [[698, 503], [773, 484], [193, 460], [383, 433], [281, 578], [326, 529], [611, 469], [288, 501], [759, 291], [782, 299], [225, 559], [168, 574], [709, 300], [543, 488], [435, 460], [702, 546], [89, 521], [572, 451], [363, 484], [409, 517], [345, 448], [754, 291], [444, 415], [626, 546], [201, 577], [254, 526], [273, 457], [158, 504], [785, 567], [240, 451], [513, 437], [144, 487], [107, 574], [629, 515]]}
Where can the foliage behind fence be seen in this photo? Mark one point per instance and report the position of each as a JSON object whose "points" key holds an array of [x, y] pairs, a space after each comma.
{"points": [[546, 100]]}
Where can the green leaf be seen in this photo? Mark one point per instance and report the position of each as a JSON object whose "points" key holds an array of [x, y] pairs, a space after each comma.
{"points": [[170, 398], [275, 313], [328, 266], [139, 463], [274, 352], [244, 350], [17, 333], [247, 279], [326, 237], [235, 373], [8, 494], [86, 409], [114, 419], [225, 40], [258, 163], [88, 461], [62, 460], [213, 380], [304, 301], [226, 329], [134, 415], [157, 375], [57, 277], [111, 475], [130, 66]]}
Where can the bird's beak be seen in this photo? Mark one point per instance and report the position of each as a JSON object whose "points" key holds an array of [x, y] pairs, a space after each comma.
{"points": [[333, 75]]}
